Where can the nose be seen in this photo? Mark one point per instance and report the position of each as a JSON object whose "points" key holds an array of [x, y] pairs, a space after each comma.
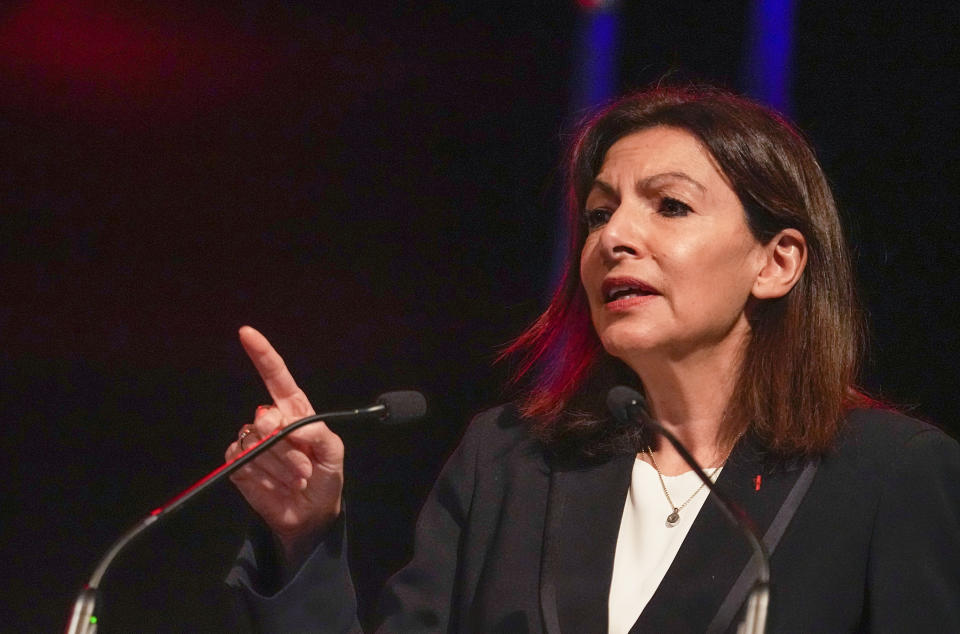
{"points": [[622, 236]]}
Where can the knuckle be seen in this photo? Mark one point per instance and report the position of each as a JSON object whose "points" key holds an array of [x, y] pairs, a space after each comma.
{"points": [[264, 425], [264, 412], [301, 403]]}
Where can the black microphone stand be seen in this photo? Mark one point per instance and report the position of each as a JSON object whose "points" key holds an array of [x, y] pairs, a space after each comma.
{"points": [[83, 619], [755, 617]]}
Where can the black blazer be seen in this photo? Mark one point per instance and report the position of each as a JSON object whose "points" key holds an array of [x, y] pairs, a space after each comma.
{"points": [[874, 545]]}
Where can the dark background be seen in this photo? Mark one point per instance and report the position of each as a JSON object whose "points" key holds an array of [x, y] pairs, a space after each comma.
{"points": [[376, 190]]}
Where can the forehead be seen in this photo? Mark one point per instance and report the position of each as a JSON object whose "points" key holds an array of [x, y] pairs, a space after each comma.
{"points": [[660, 149]]}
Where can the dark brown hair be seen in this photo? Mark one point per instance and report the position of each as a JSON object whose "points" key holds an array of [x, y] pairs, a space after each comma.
{"points": [[799, 366]]}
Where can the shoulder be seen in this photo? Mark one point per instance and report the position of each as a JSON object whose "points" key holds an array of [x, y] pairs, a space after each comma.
{"points": [[886, 430], [499, 432], [886, 441], [495, 448], [498, 428], [914, 538]]}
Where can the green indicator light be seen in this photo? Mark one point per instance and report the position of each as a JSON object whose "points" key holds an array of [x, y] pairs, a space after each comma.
{"points": [[93, 620]]}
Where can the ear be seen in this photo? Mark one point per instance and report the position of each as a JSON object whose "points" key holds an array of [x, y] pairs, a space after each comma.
{"points": [[784, 261]]}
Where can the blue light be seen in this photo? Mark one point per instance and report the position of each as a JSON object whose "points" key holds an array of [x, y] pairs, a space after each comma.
{"points": [[769, 58], [595, 73], [593, 82]]}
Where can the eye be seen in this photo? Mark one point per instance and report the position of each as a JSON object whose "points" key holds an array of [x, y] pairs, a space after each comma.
{"points": [[596, 218], [673, 208]]}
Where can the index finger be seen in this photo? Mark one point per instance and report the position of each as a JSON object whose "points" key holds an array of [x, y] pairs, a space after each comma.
{"points": [[287, 396]]}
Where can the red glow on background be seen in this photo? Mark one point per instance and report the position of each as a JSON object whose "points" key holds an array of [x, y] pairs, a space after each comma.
{"points": [[590, 5], [66, 39], [101, 56]]}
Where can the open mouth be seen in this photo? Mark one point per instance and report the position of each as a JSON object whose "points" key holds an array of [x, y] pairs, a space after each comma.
{"points": [[614, 290]]}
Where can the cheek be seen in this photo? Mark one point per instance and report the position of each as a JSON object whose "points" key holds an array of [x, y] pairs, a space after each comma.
{"points": [[719, 278], [588, 264]]}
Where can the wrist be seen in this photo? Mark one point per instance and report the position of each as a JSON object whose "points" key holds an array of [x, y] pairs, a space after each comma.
{"points": [[294, 549]]}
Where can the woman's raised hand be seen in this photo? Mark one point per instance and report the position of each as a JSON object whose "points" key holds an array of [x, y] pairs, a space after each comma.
{"points": [[296, 486]]}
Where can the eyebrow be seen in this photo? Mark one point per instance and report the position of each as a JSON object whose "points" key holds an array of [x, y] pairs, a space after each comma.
{"points": [[651, 181]]}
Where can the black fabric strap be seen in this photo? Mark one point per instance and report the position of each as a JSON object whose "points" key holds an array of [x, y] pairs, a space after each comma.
{"points": [[744, 583]]}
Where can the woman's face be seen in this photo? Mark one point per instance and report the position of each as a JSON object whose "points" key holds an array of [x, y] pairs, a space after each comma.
{"points": [[669, 263]]}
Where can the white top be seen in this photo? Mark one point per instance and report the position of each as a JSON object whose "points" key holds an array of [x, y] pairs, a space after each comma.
{"points": [[646, 546]]}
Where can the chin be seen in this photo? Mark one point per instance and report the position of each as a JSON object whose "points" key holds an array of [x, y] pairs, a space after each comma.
{"points": [[625, 342]]}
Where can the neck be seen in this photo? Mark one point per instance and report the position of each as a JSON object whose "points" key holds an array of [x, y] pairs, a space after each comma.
{"points": [[689, 397]]}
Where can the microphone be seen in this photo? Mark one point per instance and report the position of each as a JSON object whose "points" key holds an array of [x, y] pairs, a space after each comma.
{"points": [[402, 407], [390, 408], [628, 406]]}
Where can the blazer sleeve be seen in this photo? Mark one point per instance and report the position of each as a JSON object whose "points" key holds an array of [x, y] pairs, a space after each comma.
{"points": [[321, 596], [913, 579]]}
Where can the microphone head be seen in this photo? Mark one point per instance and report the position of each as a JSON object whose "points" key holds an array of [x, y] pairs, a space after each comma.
{"points": [[402, 407], [625, 403]]}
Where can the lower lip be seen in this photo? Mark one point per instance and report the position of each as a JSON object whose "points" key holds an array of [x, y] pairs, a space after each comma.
{"points": [[626, 303]]}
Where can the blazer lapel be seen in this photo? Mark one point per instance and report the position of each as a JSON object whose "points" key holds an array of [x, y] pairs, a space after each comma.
{"points": [[714, 551], [583, 520]]}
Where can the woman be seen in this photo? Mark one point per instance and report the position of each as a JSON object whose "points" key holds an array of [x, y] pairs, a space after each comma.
{"points": [[707, 269]]}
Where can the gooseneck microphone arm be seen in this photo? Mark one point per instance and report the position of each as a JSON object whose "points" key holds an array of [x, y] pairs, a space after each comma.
{"points": [[628, 406], [390, 408]]}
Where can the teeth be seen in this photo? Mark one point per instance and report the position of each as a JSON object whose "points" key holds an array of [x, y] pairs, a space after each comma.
{"points": [[619, 292]]}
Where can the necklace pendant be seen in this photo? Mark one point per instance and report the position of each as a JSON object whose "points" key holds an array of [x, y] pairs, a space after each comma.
{"points": [[673, 519]]}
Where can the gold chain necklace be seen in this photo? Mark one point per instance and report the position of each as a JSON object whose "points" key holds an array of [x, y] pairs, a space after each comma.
{"points": [[674, 517]]}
